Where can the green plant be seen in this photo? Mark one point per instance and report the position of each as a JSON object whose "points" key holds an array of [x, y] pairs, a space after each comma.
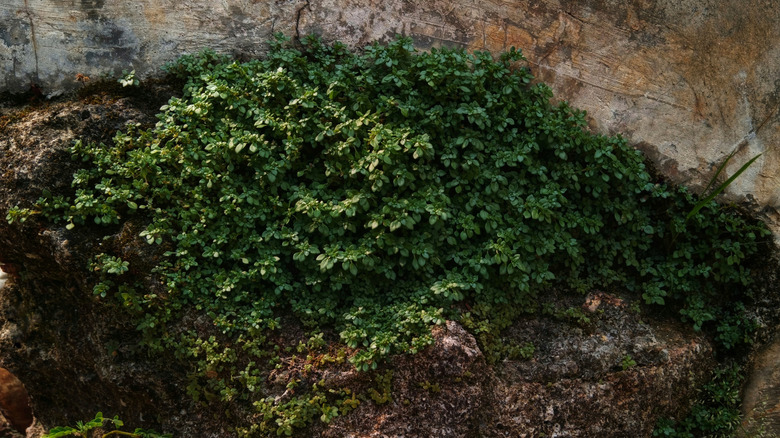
{"points": [[94, 428], [18, 214], [128, 79], [716, 412], [376, 194], [430, 387], [285, 418], [382, 393], [110, 264], [707, 199], [486, 322], [573, 315], [524, 351], [627, 362]]}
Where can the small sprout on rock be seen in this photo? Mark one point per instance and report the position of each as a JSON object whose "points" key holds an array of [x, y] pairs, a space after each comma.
{"points": [[627, 362], [128, 79]]}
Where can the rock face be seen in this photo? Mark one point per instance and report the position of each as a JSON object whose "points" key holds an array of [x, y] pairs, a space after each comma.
{"points": [[607, 374], [575, 385], [74, 355], [689, 82], [761, 391], [761, 400]]}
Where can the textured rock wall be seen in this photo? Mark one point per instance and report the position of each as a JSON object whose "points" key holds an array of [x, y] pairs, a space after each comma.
{"points": [[687, 81]]}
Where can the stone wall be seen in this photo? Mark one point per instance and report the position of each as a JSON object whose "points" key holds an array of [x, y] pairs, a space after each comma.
{"points": [[687, 81]]}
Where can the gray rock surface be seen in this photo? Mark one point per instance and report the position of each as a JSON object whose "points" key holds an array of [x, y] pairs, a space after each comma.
{"points": [[689, 81]]}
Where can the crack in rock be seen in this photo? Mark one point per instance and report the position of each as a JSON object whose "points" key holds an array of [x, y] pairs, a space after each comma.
{"points": [[307, 5]]}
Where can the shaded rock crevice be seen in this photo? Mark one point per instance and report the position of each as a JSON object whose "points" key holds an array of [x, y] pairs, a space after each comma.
{"points": [[298, 16], [33, 39]]}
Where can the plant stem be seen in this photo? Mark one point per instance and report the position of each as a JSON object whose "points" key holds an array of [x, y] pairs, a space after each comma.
{"points": [[119, 432]]}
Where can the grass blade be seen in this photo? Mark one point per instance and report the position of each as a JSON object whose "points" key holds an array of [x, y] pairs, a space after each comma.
{"points": [[699, 205]]}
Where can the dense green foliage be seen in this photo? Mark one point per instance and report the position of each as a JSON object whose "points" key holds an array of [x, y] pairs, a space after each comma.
{"points": [[378, 193], [716, 413]]}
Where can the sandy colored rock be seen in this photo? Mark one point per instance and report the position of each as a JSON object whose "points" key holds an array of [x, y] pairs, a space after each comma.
{"points": [[761, 400]]}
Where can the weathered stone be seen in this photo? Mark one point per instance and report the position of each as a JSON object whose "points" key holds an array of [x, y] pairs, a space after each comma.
{"points": [[689, 82], [613, 365], [48, 42], [762, 395], [761, 391], [439, 392], [576, 384]]}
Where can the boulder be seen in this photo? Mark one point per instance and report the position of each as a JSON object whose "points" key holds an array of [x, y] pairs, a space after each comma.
{"points": [[579, 382], [604, 372], [688, 82]]}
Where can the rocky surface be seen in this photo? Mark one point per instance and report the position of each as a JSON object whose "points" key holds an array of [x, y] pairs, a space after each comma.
{"points": [[575, 385], [762, 396], [72, 354], [76, 355], [687, 81], [761, 391]]}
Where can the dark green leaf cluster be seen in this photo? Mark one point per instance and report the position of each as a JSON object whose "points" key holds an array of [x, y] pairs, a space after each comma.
{"points": [[379, 192], [717, 411]]}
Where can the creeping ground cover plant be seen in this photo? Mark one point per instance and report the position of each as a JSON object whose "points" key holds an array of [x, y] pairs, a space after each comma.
{"points": [[376, 194]]}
